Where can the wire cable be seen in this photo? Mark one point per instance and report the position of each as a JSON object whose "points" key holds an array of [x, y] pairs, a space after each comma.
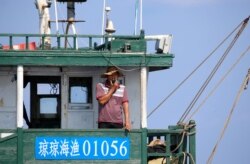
{"points": [[205, 84], [185, 79], [209, 161], [218, 84]]}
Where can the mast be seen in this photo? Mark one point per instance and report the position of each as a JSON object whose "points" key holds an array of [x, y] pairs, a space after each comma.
{"points": [[57, 27], [103, 18]]}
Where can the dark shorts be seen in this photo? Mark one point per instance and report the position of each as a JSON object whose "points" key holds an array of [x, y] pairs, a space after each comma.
{"points": [[107, 125]]}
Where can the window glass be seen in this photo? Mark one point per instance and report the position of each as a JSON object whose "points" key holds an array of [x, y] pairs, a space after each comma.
{"points": [[79, 94], [80, 90], [48, 105], [48, 89]]}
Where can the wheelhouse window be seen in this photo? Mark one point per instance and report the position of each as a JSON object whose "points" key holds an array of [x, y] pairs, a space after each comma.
{"points": [[48, 89], [48, 105], [80, 90], [48, 98]]}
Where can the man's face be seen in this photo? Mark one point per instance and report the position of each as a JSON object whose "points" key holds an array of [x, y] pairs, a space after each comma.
{"points": [[113, 77]]}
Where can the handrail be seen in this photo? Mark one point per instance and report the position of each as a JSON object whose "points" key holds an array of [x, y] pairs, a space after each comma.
{"points": [[58, 37], [179, 142]]}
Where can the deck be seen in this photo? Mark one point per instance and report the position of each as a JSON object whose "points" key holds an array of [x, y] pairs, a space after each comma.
{"points": [[115, 50]]}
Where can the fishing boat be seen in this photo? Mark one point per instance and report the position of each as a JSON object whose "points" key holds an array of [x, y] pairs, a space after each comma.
{"points": [[48, 107]]}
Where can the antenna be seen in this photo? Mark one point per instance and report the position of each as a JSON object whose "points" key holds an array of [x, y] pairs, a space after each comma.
{"points": [[56, 12], [71, 18], [136, 15], [140, 14], [103, 19]]}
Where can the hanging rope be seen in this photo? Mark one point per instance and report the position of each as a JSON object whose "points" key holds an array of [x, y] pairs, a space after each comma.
{"points": [[205, 84], [183, 81], [184, 133], [218, 84], [243, 86]]}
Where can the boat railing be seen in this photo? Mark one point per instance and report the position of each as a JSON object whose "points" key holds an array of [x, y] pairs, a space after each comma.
{"points": [[128, 44], [179, 143], [70, 42]]}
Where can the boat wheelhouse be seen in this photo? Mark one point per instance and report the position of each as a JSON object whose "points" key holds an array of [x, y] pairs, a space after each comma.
{"points": [[48, 107]]}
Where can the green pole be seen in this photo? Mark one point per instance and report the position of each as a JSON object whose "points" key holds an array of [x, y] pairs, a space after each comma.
{"points": [[74, 39], [192, 143], [144, 150], [11, 42], [19, 145], [26, 42], [168, 143], [58, 42]]}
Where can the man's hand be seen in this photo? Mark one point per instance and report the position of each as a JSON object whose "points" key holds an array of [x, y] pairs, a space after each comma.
{"points": [[127, 126], [115, 85]]}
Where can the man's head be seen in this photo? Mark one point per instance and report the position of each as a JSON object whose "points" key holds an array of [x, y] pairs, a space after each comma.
{"points": [[112, 70], [112, 73]]}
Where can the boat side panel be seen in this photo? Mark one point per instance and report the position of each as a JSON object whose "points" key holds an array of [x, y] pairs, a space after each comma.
{"points": [[7, 101], [29, 137], [8, 149]]}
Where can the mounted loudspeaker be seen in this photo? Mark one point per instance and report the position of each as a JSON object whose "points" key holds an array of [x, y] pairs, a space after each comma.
{"points": [[163, 42]]}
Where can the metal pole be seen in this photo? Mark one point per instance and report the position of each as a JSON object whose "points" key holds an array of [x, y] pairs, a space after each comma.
{"points": [[20, 114], [144, 97], [140, 14], [103, 19], [136, 15], [19, 96], [57, 27]]}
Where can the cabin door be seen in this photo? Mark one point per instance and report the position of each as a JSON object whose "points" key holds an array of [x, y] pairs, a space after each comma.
{"points": [[45, 101], [80, 111]]}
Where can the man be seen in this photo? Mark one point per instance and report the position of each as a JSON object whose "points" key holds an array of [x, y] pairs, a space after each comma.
{"points": [[113, 100]]}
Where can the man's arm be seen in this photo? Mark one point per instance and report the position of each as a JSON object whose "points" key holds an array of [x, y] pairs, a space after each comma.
{"points": [[105, 98], [127, 116]]}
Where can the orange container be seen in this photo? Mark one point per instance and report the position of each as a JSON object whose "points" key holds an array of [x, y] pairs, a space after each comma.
{"points": [[21, 46]]}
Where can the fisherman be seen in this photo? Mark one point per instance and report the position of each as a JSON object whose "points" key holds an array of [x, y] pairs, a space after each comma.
{"points": [[113, 100]]}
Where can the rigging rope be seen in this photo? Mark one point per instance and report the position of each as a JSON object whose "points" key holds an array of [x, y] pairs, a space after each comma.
{"points": [[205, 84], [243, 86], [183, 81], [218, 84]]}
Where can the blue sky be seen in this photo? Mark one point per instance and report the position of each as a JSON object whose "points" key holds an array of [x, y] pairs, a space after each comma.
{"points": [[198, 27]]}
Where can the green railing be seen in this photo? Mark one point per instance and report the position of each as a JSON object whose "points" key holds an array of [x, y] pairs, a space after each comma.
{"points": [[179, 141], [89, 42]]}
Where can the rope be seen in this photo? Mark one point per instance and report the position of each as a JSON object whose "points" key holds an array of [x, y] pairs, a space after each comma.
{"points": [[191, 157], [184, 158], [122, 69], [219, 83], [184, 133], [185, 154], [205, 84], [186, 127], [185, 79], [182, 138], [209, 161]]}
